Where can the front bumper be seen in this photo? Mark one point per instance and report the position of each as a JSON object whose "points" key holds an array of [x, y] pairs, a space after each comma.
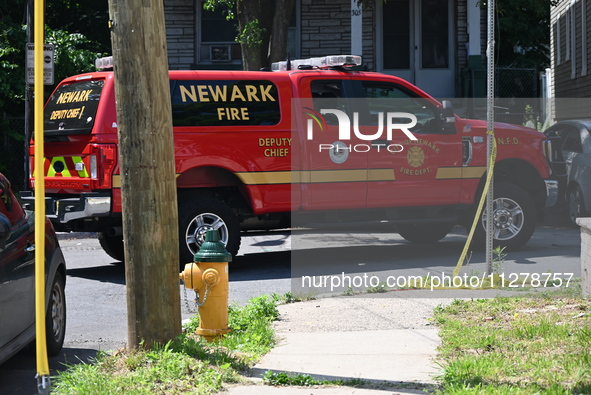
{"points": [[551, 193], [64, 210]]}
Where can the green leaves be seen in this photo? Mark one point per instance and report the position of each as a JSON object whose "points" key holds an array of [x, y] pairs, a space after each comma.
{"points": [[252, 34], [74, 53], [522, 32], [12, 59], [230, 7]]}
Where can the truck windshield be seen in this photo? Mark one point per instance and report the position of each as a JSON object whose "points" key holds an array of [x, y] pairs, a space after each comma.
{"points": [[72, 108]]}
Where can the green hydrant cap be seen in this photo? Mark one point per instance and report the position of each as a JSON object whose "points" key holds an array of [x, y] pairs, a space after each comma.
{"points": [[212, 250]]}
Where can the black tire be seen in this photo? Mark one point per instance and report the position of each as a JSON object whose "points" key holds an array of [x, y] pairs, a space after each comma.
{"points": [[55, 318], [575, 204], [199, 214], [113, 246], [514, 216], [424, 233]]}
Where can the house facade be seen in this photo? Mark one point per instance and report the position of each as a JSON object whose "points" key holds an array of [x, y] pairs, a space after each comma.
{"points": [[571, 56], [435, 44]]}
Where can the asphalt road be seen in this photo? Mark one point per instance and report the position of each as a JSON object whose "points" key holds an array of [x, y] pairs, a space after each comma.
{"points": [[95, 290]]}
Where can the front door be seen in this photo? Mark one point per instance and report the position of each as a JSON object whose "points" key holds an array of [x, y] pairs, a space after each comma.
{"points": [[415, 42]]}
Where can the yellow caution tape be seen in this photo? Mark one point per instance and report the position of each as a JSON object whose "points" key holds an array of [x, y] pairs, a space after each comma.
{"points": [[489, 177]]}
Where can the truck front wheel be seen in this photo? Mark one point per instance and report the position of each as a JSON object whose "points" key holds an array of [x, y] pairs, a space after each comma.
{"points": [[200, 214], [514, 218]]}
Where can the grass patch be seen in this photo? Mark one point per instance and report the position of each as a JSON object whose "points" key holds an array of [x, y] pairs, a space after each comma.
{"points": [[516, 346], [187, 365], [305, 380]]}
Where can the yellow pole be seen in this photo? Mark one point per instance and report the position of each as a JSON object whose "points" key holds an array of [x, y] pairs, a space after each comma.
{"points": [[41, 345]]}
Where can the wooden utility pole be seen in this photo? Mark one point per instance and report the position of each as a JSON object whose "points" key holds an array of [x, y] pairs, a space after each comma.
{"points": [[148, 186]]}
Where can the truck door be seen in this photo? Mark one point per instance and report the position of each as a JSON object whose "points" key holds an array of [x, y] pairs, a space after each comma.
{"points": [[423, 172], [333, 169]]}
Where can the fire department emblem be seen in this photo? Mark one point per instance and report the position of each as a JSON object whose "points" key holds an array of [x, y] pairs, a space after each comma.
{"points": [[415, 157], [339, 152]]}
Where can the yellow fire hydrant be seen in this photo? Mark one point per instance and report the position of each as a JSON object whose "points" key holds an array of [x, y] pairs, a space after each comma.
{"points": [[208, 276]]}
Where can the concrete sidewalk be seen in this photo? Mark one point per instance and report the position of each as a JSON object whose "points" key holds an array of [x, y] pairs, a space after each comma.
{"points": [[385, 340]]}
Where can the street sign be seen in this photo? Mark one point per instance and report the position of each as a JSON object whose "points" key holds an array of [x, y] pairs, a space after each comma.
{"points": [[48, 65]]}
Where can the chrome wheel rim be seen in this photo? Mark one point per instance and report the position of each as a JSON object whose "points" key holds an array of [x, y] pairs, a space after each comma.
{"points": [[198, 227], [508, 219], [58, 311]]}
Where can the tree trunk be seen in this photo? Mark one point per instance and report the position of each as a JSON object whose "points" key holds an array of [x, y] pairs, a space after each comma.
{"points": [[247, 11], [269, 43], [148, 184], [255, 55]]}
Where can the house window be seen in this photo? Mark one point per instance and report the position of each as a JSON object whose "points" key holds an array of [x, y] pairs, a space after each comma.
{"points": [[434, 34], [216, 37], [293, 42], [397, 39]]}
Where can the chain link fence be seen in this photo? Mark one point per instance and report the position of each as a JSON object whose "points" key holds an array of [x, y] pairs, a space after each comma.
{"points": [[517, 98], [12, 150]]}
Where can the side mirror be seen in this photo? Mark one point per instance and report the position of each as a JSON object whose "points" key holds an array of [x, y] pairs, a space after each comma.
{"points": [[5, 230], [448, 116]]}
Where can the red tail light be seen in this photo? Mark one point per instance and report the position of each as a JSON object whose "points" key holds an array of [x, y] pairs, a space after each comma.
{"points": [[103, 160]]}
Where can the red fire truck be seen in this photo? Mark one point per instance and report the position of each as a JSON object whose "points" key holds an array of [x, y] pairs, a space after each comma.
{"points": [[311, 140]]}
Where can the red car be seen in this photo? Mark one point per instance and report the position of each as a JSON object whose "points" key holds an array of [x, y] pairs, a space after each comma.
{"points": [[17, 279]]}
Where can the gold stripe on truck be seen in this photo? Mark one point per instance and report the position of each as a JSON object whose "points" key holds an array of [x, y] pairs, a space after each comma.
{"points": [[381, 175], [116, 180], [449, 173], [265, 177], [317, 176], [473, 172], [322, 176]]}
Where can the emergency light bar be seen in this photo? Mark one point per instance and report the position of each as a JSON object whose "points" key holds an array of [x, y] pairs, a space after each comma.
{"points": [[104, 63], [319, 63]]}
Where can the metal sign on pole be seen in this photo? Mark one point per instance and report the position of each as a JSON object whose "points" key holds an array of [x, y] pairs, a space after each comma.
{"points": [[48, 64], [28, 101], [490, 51]]}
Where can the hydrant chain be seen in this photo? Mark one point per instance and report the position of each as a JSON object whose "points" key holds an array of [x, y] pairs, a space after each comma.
{"points": [[207, 288]]}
